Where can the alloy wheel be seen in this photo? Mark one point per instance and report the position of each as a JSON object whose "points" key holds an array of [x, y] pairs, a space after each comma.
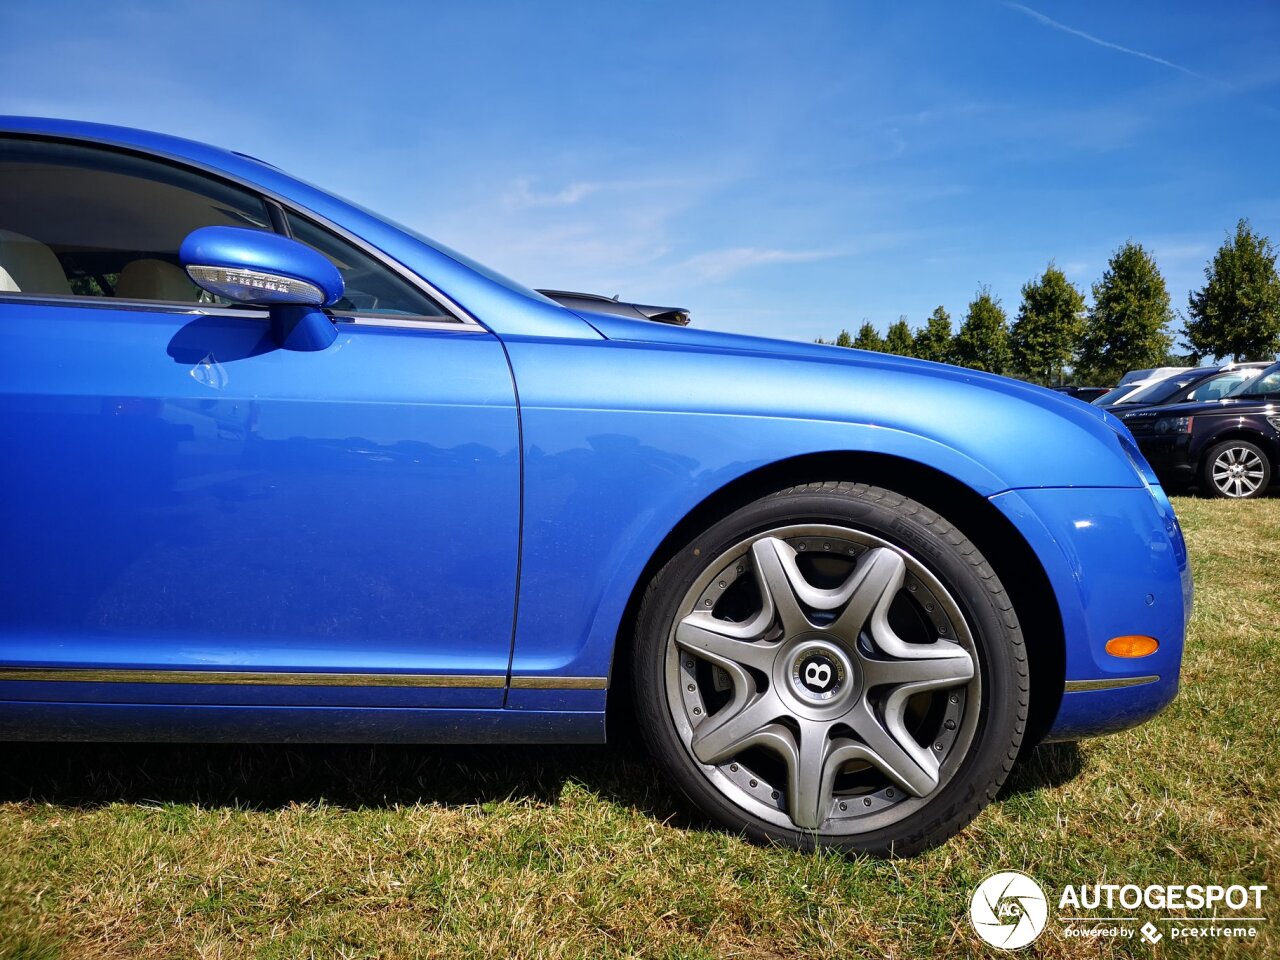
{"points": [[823, 678], [1238, 472]]}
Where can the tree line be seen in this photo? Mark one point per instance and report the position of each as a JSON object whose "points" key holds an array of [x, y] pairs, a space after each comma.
{"points": [[1056, 338]]}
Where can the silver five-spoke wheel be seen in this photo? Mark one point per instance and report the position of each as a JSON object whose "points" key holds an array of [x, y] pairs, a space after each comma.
{"points": [[1238, 471], [832, 664], [823, 677]]}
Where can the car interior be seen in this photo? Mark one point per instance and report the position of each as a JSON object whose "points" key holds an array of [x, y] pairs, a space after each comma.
{"points": [[95, 223]]}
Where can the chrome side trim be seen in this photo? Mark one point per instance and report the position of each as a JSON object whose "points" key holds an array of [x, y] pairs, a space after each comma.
{"points": [[1082, 686], [188, 308], [559, 683], [251, 677], [453, 326]]}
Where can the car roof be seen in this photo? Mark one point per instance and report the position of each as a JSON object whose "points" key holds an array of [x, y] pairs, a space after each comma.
{"points": [[204, 154]]}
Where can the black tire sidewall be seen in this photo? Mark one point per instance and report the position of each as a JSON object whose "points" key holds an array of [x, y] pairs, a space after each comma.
{"points": [[1210, 489], [941, 548]]}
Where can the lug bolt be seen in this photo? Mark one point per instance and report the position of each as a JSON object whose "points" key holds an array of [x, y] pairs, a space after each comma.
{"points": [[889, 793], [843, 805], [938, 746], [733, 767], [799, 546], [826, 546], [866, 801], [774, 795], [689, 664], [950, 724], [707, 602], [740, 568], [697, 711], [722, 584], [691, 688], [953, 698], [755, 783]]}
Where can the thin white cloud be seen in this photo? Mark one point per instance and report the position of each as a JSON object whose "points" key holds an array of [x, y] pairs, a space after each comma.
{"points": [[521, 194], [1054, 24], [722, 264]]}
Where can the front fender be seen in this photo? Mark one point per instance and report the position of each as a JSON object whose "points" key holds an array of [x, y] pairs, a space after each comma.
{"points": [[623, 440]]}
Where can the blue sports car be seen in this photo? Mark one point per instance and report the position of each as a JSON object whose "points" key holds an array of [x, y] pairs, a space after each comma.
{"points": [[276, 468]]}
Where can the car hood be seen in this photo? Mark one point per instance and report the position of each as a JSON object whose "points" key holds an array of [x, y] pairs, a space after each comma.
{"points": [[711, 341]]}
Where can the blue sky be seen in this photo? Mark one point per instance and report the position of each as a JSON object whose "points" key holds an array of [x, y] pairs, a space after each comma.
{"points": [[779, 168]]}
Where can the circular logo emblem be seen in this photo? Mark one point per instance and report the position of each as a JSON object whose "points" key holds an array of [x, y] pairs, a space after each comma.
{"points": [[1008, 910], [818, 673]]}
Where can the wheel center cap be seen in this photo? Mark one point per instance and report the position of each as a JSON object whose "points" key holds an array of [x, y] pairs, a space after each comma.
{"points": [[818, 673]]}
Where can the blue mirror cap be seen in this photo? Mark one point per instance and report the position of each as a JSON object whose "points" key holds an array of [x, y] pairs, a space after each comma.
{"points": [[258, 267]]}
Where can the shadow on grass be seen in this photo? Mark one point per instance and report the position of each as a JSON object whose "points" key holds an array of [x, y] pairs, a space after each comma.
{"points": [[271, 776], [268, 777], [1045, 767]]}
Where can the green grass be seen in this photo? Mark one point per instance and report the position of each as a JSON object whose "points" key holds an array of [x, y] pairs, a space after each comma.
{"points": [[274, 852]]}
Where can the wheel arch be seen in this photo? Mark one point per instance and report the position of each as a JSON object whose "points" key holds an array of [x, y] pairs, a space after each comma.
{"points": [[1250, 434], [1013, 559]]}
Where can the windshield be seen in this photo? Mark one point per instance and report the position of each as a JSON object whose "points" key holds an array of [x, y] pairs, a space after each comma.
{"points": [[1266, 384], [1158, 392], [1133, 376], [487, 272], [1112, 396]]}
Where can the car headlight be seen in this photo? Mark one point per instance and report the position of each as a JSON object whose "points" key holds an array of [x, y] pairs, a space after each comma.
{"points": [[1174, 425]]}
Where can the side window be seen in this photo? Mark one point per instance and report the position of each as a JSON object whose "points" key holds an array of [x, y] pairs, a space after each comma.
{"points": [[371, 287], [1216, 388], [81, 221]]}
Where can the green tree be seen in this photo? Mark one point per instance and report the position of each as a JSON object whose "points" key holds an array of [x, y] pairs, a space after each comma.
{"points": [[898, 338], [843, 339], [869, 338], [1050, 324], [983, 340], [1236, 313], [933, 341], [1126, 326]]}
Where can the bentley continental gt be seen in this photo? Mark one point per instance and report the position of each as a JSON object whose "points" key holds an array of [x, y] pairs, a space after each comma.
{"points": [[279, 469]]}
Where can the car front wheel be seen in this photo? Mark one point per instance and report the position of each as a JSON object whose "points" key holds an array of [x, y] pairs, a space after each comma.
{"points": [[833, 665], [1235, 470]]}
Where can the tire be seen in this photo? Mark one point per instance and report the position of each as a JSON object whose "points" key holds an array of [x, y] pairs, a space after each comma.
{"points": [[1235, 470], [879, 713]]}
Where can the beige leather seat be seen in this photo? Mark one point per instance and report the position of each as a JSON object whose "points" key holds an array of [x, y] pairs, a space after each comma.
{"points": [[28, 266], [150, 279]]}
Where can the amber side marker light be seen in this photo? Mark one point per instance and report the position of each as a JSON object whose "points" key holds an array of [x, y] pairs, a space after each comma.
{"points": [[1132, 646]]}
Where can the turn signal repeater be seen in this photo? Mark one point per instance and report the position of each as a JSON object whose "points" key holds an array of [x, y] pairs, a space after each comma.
{"points": [[1131, 647]]}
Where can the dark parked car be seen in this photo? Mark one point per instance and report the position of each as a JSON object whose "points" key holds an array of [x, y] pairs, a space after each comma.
{"points": [[1229, 447], [595, 303], [1194, 386]]}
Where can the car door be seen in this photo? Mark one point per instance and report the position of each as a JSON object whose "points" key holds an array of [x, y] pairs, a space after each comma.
{"points": [[192, 514]]}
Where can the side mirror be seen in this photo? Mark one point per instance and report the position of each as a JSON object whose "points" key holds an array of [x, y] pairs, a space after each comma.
{"points": [[265, 269]]}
